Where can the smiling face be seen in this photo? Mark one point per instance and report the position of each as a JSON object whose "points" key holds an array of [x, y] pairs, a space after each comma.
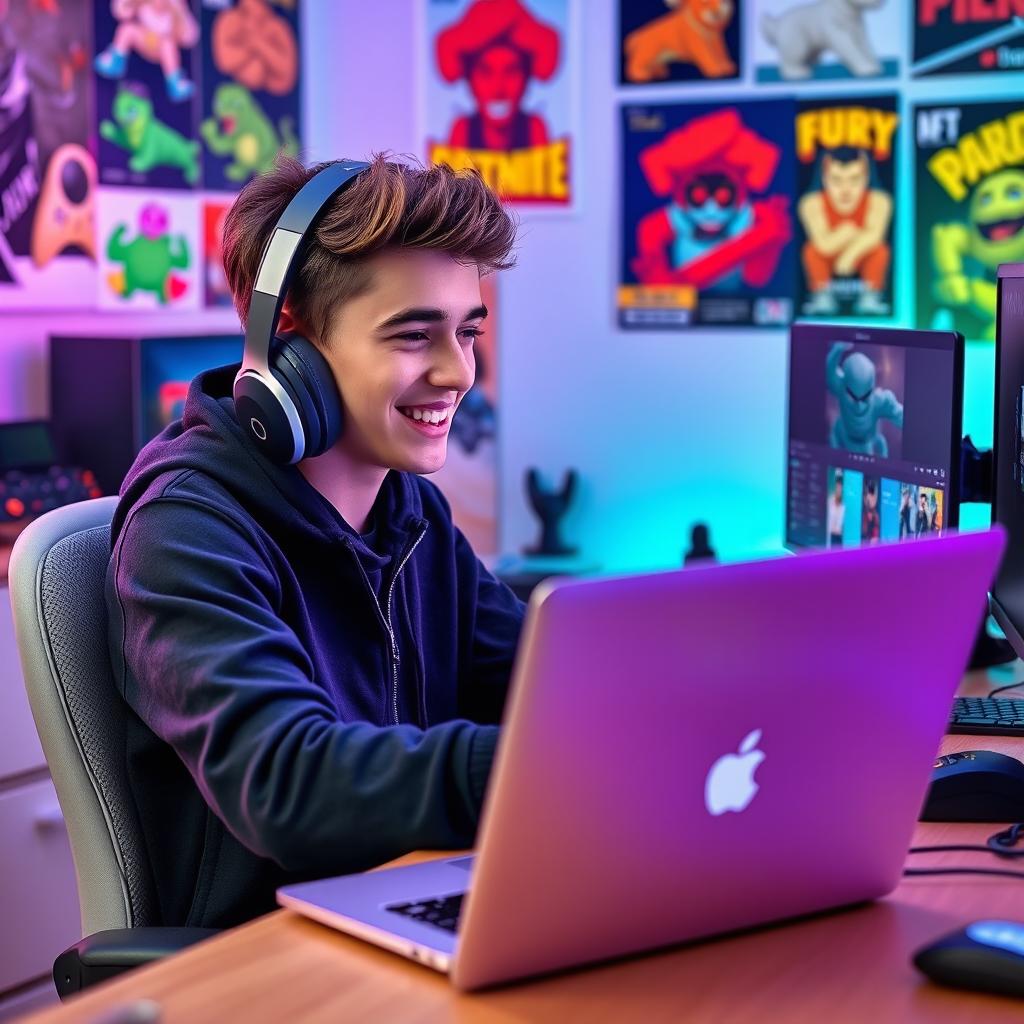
{"points": [[402, 354], [498, 79], [997, 211]]}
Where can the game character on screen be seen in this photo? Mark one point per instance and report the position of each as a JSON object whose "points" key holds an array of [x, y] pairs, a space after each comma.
{"points": [[862, 404], [923, 523], [871, 521], [836, 512], [906, 502], [846, 222]]}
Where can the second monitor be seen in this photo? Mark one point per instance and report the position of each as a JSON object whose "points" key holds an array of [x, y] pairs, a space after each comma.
{"points": [[874, 424]]}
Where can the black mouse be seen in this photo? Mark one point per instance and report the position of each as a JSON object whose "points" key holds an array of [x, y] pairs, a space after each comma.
{"points": [[976, 785], [986, 955]]}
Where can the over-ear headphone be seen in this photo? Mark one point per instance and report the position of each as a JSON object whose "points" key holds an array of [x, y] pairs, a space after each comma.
{"points": [[286, 398]]}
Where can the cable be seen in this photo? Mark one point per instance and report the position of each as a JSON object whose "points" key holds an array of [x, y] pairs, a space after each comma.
{"points": [[963, 871], [966, 849], [999, 689], [1000, 844]]}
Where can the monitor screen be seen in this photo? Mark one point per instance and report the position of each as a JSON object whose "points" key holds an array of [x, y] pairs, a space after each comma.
{"points": [[873, 447], [168, 366], [1008, 452], [27, 445]]}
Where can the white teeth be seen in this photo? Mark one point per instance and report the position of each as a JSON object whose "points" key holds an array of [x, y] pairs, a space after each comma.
{"points": [[434, 416]]}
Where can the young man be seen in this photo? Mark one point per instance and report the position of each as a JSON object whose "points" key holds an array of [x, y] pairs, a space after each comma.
{"points": [[315, 659]]}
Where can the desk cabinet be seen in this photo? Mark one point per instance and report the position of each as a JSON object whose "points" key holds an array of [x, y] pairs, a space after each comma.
{"points": [[38, 896]]}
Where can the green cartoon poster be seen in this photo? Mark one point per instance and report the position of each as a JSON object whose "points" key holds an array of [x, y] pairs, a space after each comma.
{"points": [[970, 210]]}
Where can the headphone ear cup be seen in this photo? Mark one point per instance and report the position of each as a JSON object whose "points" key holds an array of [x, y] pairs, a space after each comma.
{"points": [[289, 376], [313, 382]]}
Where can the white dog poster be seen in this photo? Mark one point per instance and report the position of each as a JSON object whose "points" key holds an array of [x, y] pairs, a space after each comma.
{"points": [[796, 40]]}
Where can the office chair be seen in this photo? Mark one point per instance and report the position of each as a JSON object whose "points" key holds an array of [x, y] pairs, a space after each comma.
{"points": [[57, 573]]}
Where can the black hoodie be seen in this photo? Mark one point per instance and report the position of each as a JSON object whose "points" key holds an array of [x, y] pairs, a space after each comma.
{"points": [[305, 699]]}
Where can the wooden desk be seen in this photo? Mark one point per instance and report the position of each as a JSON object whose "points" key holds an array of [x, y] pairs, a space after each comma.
{"points": [[849, 966]]}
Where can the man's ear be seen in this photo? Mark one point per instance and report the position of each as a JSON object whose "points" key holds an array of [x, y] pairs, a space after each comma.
{"points": [[288, 323]]}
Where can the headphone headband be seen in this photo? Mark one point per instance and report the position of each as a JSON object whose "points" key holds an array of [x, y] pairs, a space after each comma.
{"points": [[282, 255]]}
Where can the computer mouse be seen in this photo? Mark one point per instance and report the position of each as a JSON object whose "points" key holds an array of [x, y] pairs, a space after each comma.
{"points": [[986, 955], [975, 785]]}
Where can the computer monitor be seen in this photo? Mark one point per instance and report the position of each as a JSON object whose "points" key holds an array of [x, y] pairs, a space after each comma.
{"points": [[873, 439], [1007, 598]]}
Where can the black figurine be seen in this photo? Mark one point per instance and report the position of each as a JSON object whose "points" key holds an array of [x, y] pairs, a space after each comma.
{"points": [[700, 546], [550, 507]]}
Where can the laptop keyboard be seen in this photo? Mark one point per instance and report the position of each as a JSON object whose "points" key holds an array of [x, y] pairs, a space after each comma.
{"points": [[995, 715], [441, 913]]}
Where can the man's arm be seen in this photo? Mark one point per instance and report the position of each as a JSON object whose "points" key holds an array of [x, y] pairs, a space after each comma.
{"points": [[204, 659], [889, 406], [876, 224], [828, 241], [496, 621]]}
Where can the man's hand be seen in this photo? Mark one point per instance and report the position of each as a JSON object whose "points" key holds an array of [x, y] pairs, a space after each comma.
{"points": [[846, 263]]}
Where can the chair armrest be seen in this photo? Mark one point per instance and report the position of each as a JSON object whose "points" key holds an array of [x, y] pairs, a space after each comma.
{"points": [[104, 954]]}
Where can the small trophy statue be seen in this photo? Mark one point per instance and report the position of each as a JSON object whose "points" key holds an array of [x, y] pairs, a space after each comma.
{"points": [[550, 507], [700, 546]]}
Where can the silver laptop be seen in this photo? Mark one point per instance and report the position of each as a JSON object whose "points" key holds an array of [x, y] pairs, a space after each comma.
{"points": [[684, 754]]}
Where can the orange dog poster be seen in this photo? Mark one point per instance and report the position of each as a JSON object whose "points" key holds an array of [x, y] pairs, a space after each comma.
{"points": [[499, 95], [678, 41]]}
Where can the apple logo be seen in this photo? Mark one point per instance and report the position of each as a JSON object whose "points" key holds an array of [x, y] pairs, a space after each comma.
{"points": [[730, 784]]}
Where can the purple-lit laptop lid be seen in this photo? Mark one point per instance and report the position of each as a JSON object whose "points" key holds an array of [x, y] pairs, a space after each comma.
{"points": [[692, 752]]}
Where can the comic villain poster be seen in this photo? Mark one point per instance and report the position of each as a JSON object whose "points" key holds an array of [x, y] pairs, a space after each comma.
{"points": [[669, 41], [707, 224], [845, 152], [959, 37], [970, 210], [47, 174], [251, 102], [498, 95], [827, 40], [145, 68]]}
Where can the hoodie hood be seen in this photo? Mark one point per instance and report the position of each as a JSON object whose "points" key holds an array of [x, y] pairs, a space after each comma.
{"points": [[208, 440]]}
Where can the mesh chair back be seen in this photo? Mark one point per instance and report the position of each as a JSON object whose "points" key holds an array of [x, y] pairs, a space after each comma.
{"points": [[57, 574]]}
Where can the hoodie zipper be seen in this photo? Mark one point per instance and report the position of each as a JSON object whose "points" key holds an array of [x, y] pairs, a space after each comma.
{"points": [[386, 618], [391, 632]]}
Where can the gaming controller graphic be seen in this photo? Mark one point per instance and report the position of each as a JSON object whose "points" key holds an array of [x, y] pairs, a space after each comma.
{"points": [[65, 214]]}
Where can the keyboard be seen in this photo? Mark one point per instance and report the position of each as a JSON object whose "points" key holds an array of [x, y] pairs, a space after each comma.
{"points": [[994, 715], [441, 913]]}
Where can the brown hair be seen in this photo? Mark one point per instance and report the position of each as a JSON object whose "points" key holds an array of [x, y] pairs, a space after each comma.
{"points": [[390, 204]]}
